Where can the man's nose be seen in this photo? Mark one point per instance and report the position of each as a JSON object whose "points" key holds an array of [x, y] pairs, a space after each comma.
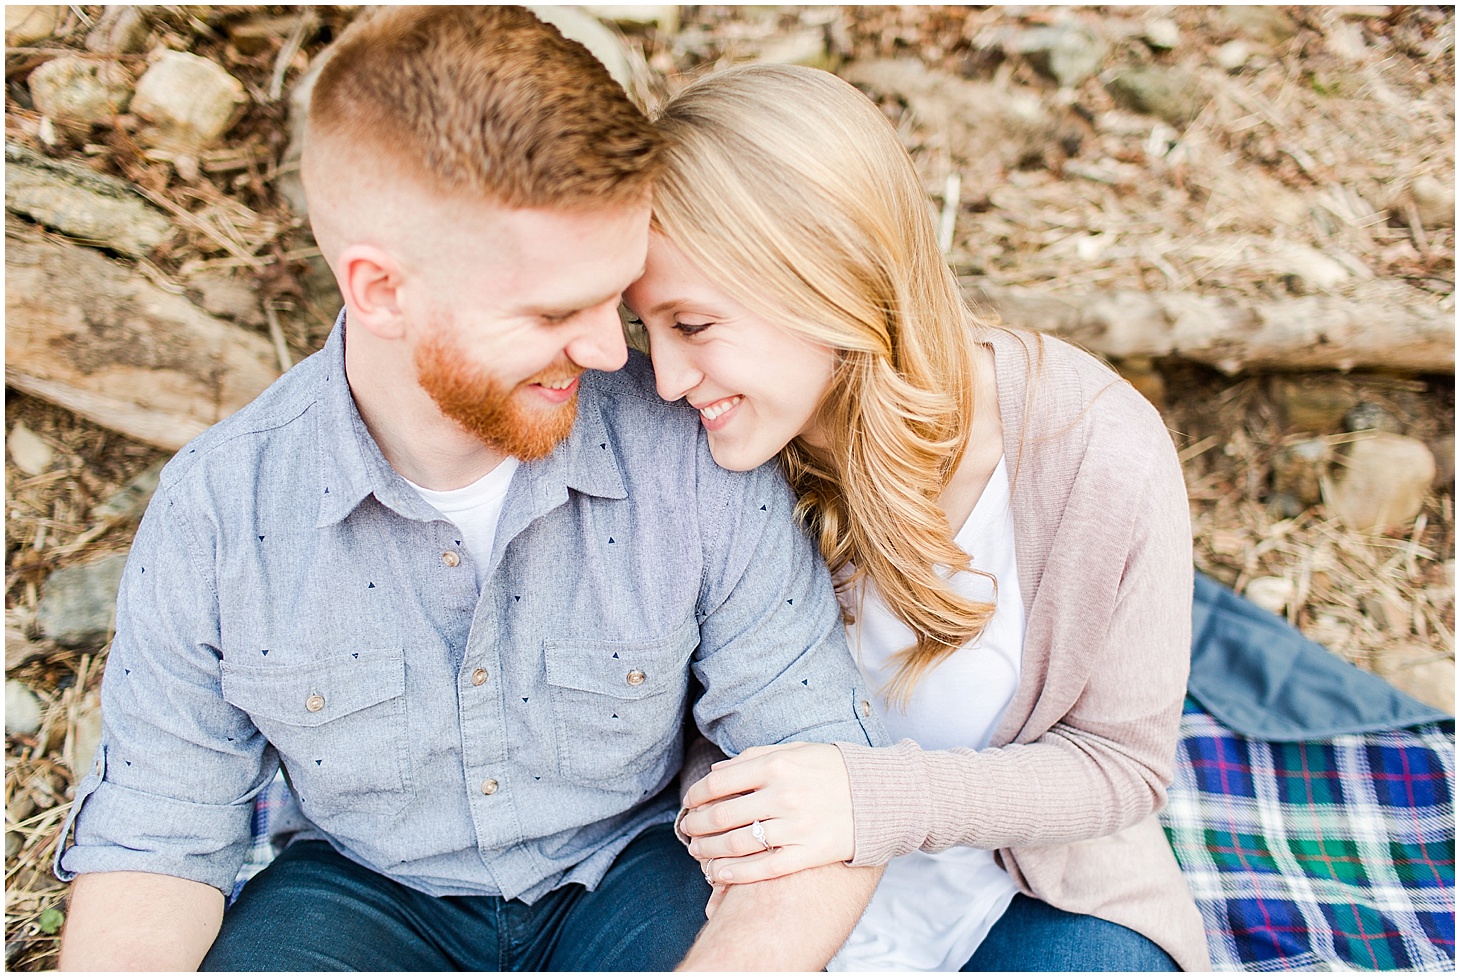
{"points": [[599, 343]]}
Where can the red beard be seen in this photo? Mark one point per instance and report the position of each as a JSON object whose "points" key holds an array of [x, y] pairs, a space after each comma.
{"points": [[487, 409]]}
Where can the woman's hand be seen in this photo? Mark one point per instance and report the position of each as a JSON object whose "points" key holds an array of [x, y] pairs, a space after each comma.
{"points": [[799, 794]]}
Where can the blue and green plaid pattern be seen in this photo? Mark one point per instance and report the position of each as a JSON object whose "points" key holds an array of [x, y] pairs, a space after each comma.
{"points": [[1330, 855]]}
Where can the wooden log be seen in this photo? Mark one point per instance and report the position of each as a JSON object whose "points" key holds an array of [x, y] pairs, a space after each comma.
{"points": [[1315, 332], [97, 338]]}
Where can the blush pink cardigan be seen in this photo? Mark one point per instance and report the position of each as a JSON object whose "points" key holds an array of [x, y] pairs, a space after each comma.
{"points": [[1067, 793]]}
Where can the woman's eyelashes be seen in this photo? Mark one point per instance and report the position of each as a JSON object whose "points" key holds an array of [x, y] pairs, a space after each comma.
{"points": [[690, 328]]}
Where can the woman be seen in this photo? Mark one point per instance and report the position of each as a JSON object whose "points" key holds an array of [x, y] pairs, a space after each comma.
{"points": [[1007, 525]]}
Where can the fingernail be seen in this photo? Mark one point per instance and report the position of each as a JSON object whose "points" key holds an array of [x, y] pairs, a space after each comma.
{"points": [[694, 848]]}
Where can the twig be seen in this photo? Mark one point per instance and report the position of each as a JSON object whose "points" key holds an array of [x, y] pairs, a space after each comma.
{"points": [[276, 332], [952, 192], [292, 44]]}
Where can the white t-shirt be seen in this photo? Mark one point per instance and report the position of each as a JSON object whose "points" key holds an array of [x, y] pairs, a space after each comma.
{"points": [[930, 912], [475, 510]]}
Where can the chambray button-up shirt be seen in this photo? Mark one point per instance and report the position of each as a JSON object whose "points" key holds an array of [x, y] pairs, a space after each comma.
{"points": [[289, 598]]}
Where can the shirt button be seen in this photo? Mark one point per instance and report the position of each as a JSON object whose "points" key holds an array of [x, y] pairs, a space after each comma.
{"points": [[314, 703], [479, 676], [450, 559], [636, 677], [866, 709], [489, 787]]}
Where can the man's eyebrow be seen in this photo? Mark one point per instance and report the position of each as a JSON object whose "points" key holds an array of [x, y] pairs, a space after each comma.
{"points": [[572, 308]]}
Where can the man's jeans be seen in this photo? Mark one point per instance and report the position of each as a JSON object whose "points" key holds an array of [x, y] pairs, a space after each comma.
{"points": [[314, 909]]}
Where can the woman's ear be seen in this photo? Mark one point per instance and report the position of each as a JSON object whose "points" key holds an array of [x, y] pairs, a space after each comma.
{"points": [[370, 281]]}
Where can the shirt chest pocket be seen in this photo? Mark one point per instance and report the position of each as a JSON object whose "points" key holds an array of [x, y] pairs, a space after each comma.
{"points": [[339, 726], [618, 705]]}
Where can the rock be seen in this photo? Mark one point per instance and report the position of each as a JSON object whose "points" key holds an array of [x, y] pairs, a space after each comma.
{"points": [[1444, 452], [222, 294], [78, 604], [1369, 416], [1162, 33], [87, 206], [1433, 201], [587, 30], [20, 806], [1315, 403], [122, 29], [85, 734], [22, 709], [1420, 671], [190, 101], [1298, 469], [1346, 40], [1382, 482], [13, 843], [1263, 24], [130, 501], [1306, 269], [27, 23], [1285, 505], [1067, 53], [1140, 372], [1171, 93], [30, 453], [1270, 593], [1233, 55], [81, 90], [805, 47]]}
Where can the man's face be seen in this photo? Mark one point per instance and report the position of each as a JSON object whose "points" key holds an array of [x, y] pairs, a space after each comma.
{"points": [[512, 307]]}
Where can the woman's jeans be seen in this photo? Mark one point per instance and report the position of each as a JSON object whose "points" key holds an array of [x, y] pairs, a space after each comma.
{"points": [[1033, 936], [314, 909]]}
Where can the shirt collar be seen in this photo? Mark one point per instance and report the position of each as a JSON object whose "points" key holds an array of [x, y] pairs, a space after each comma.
{"points": [[352, 466]]}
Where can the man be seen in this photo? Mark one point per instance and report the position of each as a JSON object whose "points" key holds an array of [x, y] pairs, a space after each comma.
{"points": [[455, 584]]}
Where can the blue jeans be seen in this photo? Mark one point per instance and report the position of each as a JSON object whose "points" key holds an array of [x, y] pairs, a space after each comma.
{"points": [[1033, 936], [314, 909]]}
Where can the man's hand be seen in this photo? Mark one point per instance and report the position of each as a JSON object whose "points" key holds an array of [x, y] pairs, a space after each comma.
{"points": [[796, 922], [139, 921]]}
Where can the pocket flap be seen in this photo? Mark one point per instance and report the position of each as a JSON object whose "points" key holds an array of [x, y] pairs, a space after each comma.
{"points": [[622, 669], [315, 692]]}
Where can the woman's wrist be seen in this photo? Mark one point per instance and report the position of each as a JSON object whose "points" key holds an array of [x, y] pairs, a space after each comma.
{"points": [[890, 803]]}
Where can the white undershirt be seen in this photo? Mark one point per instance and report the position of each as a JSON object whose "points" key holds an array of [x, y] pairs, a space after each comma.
{"points": [[475, 510], [930, 912]]}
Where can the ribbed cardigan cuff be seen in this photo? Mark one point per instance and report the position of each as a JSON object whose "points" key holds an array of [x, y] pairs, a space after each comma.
{"points": [[891, 806]]}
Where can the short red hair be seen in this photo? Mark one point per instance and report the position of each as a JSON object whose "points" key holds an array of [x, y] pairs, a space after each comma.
{"points": [[488, 100]]}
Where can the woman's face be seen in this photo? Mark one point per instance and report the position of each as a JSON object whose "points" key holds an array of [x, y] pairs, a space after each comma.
{"points": [[755, 384]]}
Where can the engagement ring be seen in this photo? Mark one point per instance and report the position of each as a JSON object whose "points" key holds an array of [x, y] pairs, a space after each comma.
{"points": [[757, 831]]}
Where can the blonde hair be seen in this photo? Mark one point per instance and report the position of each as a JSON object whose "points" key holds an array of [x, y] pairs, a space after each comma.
{"points": [[485, 99], [789, 189]]}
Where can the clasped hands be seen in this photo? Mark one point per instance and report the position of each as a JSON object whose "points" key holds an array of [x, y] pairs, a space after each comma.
{"points": [[801, 797]]}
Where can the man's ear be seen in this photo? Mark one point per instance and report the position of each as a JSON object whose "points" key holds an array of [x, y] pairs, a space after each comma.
{"points": [[370, 279]]}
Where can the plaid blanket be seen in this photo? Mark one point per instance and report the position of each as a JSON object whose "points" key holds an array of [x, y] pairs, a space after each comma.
{"points": [[1330, 855]]}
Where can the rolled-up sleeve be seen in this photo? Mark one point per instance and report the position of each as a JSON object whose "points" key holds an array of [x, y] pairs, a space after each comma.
{"points": [[773, 657], [171, 788]]}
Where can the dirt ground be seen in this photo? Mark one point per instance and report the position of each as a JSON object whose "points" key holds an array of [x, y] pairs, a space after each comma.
{"points": [[1316, 139]]}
